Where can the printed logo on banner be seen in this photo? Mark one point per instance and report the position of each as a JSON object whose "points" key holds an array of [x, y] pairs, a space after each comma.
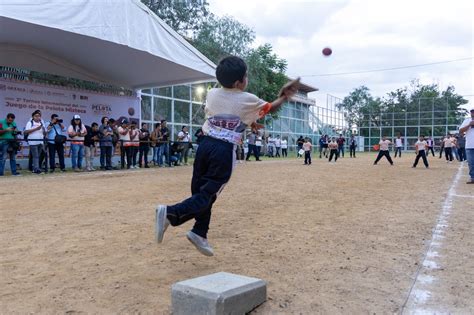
{"points": [[101, 109]]}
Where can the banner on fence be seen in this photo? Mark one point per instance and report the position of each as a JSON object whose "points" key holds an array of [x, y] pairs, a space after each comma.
{"points": [[23, 98]]}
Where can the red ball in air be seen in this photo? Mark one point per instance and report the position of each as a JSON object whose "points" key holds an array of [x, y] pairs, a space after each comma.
{"points": [[327, 51]]}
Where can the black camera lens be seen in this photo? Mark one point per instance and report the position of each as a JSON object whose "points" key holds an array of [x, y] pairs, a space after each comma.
{"points": [[60, 121]]}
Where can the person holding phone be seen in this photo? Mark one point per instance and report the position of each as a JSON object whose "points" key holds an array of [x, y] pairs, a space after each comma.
{"points": [[35, 132]]}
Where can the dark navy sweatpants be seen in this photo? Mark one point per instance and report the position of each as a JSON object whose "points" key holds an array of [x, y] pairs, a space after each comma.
{"points": [[211, 171]]}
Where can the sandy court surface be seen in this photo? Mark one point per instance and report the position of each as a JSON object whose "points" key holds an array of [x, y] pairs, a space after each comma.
{"points": [[328, 238]]}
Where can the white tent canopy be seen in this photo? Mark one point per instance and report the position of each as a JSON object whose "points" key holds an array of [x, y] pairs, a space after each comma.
{"points": [[119, 42]]}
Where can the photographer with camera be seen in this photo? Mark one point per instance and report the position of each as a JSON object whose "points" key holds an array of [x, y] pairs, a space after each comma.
{"points": [[467, 128], [34, 133], [8, 143], [55, 140]]}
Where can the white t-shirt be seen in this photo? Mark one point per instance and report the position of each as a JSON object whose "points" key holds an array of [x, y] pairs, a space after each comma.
{"points": [[469, 133], [125, 137], [307, 146], [230, 111], [277, 142], [448, 143], [384, 145], [35, 135], [72, 129], [184, 136], [421, 145], [284, 144], [398, 142]]}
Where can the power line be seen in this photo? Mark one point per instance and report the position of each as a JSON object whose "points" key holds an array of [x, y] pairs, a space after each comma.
{"points": [[386, 69]]}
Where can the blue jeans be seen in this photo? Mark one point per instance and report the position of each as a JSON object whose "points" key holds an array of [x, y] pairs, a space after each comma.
{"points": [[164, 149], [3, 157], [470, 162], [456, 154], [340, 150], [77, 153], [156, 150], [399, 151]]}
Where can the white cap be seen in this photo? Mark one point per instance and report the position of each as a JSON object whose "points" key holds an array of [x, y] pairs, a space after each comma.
{"points": [[77, 117]]}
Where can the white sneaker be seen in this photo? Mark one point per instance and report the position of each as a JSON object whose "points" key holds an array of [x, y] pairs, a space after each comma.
{"points": [[161, 222], [200, 243]]}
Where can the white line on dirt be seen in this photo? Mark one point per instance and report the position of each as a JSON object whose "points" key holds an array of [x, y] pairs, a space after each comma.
{"points": [[463, 196], [420, 290]]}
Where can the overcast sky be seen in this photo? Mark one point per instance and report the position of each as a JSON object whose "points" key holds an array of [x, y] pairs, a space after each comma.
{"points": [[364, 35]]}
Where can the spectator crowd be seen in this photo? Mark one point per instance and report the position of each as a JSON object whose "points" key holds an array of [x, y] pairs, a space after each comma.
{"points": [[49, 140]]}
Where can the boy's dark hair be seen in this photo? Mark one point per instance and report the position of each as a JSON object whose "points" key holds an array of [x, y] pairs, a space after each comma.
{"points": [[103, 119], [229, 70], [94, 124], [11, 115]]}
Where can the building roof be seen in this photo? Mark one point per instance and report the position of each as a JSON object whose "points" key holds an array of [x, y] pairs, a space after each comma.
{"points": [[119, 42], [306, 88]]}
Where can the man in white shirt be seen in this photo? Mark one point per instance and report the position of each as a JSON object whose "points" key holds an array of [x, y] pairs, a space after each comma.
{"points": [[398, 146], [35, 131], [448, 148], [184, 139], [430, 144], [467, 128], [284, 147], [277, 146]]}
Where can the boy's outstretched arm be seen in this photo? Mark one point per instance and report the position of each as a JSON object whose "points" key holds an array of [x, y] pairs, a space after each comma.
{"points": [[287, 91]]}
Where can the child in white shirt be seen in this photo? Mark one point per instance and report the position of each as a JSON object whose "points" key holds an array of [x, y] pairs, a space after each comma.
{"points": [[421, 145], [229, 111]]}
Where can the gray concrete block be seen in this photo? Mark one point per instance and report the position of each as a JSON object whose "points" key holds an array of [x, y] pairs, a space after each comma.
{"points": [[217, 294]]}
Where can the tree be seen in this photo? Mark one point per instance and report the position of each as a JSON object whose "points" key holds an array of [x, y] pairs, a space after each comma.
{"points": [[419, 107], [266, 72], [185, 17], [360, 106], [219, 37]]}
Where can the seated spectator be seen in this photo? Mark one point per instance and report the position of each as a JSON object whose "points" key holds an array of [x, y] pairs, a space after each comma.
{"points": [[175, 153]]}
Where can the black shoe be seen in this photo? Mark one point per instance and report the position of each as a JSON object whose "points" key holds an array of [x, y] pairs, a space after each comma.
{"points": [[51, 171], [147, 166], [63, 170]]}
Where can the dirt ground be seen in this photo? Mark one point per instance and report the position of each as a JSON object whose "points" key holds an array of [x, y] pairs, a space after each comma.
{"points": [[344, 237]]}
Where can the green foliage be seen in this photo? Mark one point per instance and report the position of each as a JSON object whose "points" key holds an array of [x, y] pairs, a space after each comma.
{"points": [[217, 37], [266, 72], [418, 105], [220, 37], [183, 16]]}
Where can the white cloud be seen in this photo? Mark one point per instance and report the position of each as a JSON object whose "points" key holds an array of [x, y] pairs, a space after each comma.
{"points": [[364, 35]]}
